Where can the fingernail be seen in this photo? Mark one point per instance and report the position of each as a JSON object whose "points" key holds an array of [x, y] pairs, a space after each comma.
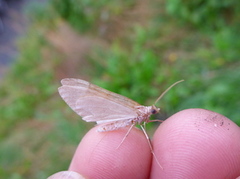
{"points": [[66, 175]]}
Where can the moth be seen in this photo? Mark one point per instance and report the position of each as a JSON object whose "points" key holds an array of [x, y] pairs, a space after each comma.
{"points": [[109, 110]]}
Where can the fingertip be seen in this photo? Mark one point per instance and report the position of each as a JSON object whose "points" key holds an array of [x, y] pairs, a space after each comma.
{"points": [[98, 155], [197, 143]]}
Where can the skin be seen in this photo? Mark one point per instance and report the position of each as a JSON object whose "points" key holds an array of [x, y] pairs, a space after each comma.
{"points": [[193, 143]]}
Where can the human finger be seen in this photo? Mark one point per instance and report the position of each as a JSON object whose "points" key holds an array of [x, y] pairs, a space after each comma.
{"points": [[97, 156], [197, 143]]}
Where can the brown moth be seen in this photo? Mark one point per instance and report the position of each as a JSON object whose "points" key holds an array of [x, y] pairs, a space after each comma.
{"points": [[109, 110]]}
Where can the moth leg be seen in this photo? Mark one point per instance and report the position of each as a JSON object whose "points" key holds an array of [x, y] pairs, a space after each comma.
{"points": [[126, 135], [150, 145]]}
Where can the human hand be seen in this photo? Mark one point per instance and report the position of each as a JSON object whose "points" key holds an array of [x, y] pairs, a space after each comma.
{"points": [[193, 143]]}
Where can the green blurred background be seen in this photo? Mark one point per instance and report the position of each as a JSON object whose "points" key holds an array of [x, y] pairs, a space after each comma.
{"points": [[135, 48]]}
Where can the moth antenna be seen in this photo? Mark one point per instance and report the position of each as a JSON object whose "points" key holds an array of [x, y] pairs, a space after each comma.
{"points": [[151, 147], [126, 135], [167, 90]]}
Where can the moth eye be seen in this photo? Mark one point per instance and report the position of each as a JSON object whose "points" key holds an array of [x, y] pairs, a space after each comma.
{"points": [[153, 111]]}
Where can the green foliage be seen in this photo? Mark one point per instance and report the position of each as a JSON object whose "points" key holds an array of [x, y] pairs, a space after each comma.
{"points": [[86, 14], [218, 19], [26, 85], [227, 44], [211, 14], [217, 64]]}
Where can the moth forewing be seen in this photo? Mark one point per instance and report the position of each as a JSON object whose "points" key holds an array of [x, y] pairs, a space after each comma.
{"points": [[94, 106], [93, 90]]}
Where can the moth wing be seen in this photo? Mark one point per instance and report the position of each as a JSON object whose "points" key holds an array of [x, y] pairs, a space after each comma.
{"points": [[96, 104], [86, 88]]}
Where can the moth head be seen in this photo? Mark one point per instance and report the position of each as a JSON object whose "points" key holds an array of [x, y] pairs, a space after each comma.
{"points": [[154, 109]]}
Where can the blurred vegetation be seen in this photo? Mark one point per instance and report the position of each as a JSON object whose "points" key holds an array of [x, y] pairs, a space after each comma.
{"points": [[87, 15], [137, 49], [208, 15]]}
